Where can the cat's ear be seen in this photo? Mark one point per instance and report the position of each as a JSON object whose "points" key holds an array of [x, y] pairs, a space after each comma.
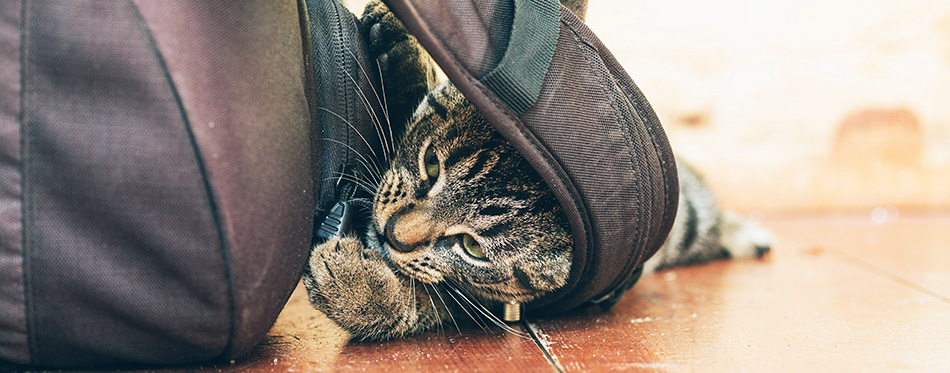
{"points": [[545, 272]]}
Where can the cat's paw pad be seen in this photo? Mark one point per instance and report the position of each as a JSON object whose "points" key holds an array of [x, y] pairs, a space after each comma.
{"points": [[744, 238]]}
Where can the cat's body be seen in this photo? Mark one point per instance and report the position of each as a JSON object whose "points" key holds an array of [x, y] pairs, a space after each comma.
{"points": [[461, 221]]}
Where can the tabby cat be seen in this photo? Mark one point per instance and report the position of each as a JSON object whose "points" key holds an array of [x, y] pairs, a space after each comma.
{"points": [[461, 220]]}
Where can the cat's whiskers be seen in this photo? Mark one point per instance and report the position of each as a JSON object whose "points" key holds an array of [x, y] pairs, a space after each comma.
{"points": [[372, 169], [464, 308], [411, 297], [446, 307], [391, 148], [362, 202], [376, 169], [481, 309], [362, 184], [377, 123], [425, 287], [389, 124]]}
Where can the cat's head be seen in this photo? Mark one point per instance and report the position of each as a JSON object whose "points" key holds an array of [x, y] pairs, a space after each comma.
{"points": [[459, 204]]}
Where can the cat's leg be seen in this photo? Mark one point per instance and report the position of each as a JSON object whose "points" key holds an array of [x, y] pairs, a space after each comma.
{"points": [[408, 72], [354, 287], [703, 232], [742, 237]]}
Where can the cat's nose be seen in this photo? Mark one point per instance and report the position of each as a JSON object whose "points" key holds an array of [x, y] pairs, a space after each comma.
{"points": [[411, 228], [391, 238]]}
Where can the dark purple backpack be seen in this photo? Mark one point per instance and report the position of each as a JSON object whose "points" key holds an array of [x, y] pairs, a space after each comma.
{"points": [[161, 163], [155, 188]]}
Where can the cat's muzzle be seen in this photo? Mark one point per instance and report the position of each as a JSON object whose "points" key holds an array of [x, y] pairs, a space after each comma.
{"points": [[391, 238]]}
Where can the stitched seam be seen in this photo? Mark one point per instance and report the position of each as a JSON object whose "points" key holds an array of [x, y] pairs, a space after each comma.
{"points": [[654, 130], [641, 233], [200, 163]]}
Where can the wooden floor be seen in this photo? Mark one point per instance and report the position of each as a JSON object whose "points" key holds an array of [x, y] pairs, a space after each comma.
{"points": [[838, 293]]}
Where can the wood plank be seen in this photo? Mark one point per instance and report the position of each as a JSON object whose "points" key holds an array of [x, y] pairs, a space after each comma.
{"points": [[304, 340], [801, 309], [911, 248], [472, 350], [838, 294]]}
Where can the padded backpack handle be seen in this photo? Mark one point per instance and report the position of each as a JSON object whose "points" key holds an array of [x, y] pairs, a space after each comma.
{"points": [[518, 77]]}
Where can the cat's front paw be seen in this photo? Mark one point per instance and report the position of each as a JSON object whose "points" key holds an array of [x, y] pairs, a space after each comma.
{"points": [[355, 288], [384, 32], [408, 72]]}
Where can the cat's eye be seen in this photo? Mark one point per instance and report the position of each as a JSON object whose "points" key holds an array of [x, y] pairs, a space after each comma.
{"points": [[472, 247], [431, 162]]}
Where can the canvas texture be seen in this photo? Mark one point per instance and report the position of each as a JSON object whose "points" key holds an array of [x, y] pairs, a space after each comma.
{"points": [[156, 194]]}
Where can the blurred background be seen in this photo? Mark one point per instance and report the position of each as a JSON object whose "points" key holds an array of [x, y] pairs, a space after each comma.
{"points": [[791, 106], [796, 106]]}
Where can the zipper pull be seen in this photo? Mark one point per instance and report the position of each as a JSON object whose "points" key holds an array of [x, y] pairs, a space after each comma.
{"points": [[340, 216]]}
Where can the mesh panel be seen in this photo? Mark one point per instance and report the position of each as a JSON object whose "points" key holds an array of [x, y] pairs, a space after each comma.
{"points": [[350, 118]]}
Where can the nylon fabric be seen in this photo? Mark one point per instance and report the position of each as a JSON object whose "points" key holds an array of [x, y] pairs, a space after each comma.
{"points": [[518, 76], [667, 185], [166, 189], [462, 23], [115, 204], [238, 69], [618, 110], [13, 332], [616, 200]]}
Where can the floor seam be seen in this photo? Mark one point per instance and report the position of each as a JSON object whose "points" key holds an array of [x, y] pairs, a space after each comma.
{"points": [[857, 261], [542, 343]]}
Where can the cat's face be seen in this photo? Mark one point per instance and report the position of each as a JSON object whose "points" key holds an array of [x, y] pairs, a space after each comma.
{"points": [[459, 204]]}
